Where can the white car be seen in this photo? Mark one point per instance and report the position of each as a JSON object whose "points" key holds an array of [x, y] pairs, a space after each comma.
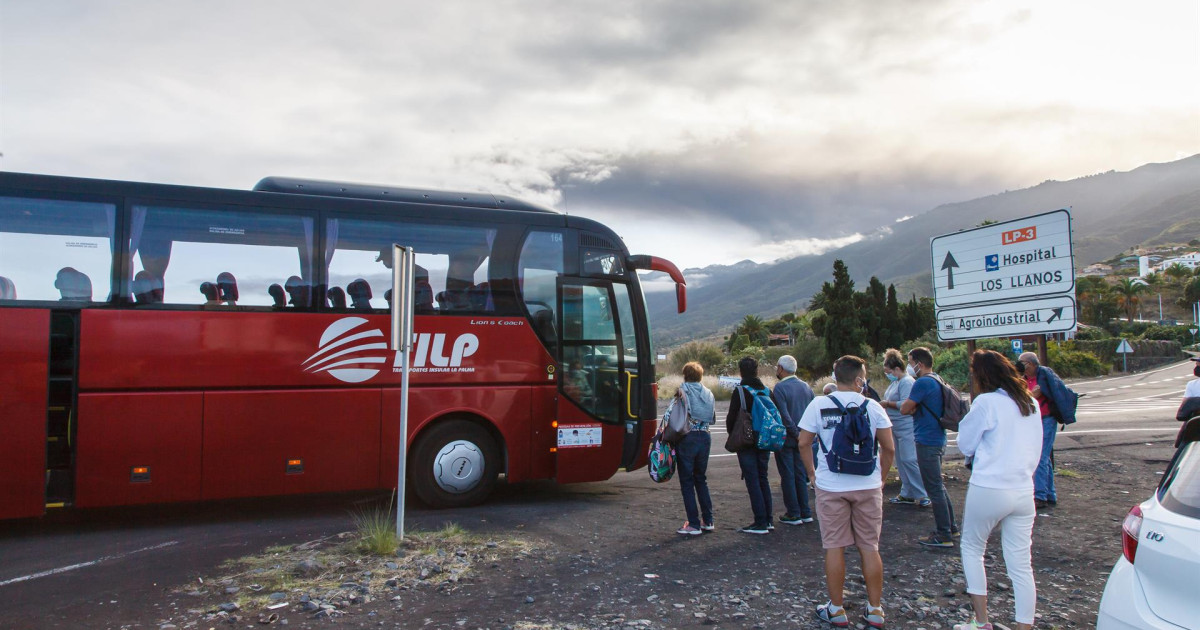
{"points": [[1156, 582]]}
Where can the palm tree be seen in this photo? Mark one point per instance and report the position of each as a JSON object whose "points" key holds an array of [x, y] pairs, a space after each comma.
{"points": [[1177, 272], [1128, 290], [754, 329]]}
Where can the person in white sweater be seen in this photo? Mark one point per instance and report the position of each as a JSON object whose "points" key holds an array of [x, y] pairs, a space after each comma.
{"points": [[1002, 436]]}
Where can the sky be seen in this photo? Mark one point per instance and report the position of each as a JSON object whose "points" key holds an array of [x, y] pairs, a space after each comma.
{"points": [[704, 132]]}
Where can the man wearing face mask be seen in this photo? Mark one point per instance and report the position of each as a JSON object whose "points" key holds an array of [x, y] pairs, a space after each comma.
{"points": [[924, 404], [1057, 403]]}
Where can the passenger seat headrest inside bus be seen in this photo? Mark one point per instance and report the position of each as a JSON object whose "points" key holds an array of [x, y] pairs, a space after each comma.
{"points": [[227, 287], [299, 292], [8, 291], [147, 289], [360, 294], [277, 294], [337, 297], [210, 292], [73, 284]]}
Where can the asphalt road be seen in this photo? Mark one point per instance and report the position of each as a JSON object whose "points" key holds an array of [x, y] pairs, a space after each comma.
{"points": [[107, 568]]}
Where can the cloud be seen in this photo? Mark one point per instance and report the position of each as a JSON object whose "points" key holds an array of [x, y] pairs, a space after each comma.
{"points": [[763, 125]]}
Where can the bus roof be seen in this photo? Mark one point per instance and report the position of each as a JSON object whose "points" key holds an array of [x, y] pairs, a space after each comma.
{"points": [[376, 192]]}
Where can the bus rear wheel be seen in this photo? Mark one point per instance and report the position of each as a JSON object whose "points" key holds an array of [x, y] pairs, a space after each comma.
{"points": [[454, 464]]}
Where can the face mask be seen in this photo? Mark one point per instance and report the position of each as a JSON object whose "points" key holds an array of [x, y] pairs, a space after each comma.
{"points": [[891, 377], [910, 371], [1020, 367]]}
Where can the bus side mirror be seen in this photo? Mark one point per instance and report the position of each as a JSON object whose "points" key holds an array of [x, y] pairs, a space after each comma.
{"points": [[654, 263]]}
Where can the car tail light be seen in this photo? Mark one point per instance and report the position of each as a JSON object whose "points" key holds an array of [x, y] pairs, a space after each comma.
{"points": [[1131, 530]]}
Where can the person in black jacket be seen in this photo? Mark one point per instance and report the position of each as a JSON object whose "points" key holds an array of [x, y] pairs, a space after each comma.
{"points": [[754, 462]]}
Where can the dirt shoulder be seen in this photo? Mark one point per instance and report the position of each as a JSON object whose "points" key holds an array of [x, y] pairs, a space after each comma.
{"points": [[605, 556]]}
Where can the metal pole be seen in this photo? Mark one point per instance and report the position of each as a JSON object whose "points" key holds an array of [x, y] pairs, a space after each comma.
{"points": [[402, 334]]}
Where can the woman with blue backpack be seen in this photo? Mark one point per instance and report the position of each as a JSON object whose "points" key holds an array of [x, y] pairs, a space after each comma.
{"points": [[754, 461]]}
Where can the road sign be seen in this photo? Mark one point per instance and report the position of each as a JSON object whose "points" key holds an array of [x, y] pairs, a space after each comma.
{"points": [[1014, 260], [1023, 317], [1017, 345], [1125, 349]]}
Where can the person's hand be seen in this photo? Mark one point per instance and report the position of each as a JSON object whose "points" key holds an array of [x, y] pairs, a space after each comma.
{"points": [[1036, 391]]}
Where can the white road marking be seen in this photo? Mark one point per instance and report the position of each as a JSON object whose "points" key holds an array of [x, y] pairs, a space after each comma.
{"points": [[72, 567]]}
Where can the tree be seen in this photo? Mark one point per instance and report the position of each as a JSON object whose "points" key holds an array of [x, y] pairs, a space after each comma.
{"points": [[1191, 293], [891, 319], [1097, 303], [1127, 292], [755, 329], [1177, 272], [872, 305], [842, 332]]}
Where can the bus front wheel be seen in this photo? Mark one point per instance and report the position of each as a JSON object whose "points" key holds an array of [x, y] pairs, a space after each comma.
{"points": [[454, 464]]}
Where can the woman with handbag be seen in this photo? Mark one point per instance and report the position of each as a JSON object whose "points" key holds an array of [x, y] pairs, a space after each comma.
{"points": [[754, 462], [691, 453]]}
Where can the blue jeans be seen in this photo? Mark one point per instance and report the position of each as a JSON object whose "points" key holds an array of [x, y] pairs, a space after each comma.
{"points": [[911, 485], [755, 464], [929, 460], [691, 456], [1043, 477], [793, 480]]}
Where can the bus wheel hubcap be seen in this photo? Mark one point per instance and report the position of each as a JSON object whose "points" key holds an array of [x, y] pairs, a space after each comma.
{"points": [[458, 467]]}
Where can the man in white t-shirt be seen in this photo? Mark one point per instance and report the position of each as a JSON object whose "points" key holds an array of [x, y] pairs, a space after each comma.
{"points": [[849, 507]]}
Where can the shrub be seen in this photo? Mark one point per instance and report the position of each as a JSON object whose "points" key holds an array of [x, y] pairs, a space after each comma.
{"points": [[952, 364], [1168, 333], [1092, 333], [1069, 362], [706, 354], [810, 356]]}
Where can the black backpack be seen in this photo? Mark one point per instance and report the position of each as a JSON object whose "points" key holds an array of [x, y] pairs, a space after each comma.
{"points": [[853, 445]]}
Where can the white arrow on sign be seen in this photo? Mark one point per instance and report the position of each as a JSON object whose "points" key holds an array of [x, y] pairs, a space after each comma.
{"points": [[1010, 319]]}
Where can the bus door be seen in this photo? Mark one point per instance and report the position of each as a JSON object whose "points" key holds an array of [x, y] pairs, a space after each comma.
{"points": [[597, 425]]}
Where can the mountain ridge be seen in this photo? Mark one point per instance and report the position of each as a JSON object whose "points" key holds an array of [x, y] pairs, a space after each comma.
{"points": [[1111, 212]]}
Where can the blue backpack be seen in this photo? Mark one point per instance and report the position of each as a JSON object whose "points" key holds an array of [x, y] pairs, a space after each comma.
{"points": [[768, 424], [853, 446]]}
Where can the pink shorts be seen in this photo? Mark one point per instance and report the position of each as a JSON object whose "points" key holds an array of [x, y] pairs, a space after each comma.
{"points": [[850, 518]]}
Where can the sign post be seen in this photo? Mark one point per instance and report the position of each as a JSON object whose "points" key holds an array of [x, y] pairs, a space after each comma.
{"points": [[402, 335], [1010, 279], [1125, 349]]}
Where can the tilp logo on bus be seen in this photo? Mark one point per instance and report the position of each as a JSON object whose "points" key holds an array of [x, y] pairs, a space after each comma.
{"points": [[347, 355], [350, 354]]}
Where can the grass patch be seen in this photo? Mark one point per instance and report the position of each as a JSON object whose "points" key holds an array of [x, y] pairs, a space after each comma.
{"points": [[376, 529], [1068, 473], [355, 567]]}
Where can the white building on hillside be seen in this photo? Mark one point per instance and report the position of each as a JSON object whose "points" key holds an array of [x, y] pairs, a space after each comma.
{"points": [[1189, 260]]}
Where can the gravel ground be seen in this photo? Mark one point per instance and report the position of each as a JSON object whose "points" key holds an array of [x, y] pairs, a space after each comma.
{"points": [[605, 555]]}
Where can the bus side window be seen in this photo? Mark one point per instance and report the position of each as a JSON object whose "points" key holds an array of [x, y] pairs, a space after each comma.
{"points": [[540, 265], [56, 250], [186, 255], [451, 263]]}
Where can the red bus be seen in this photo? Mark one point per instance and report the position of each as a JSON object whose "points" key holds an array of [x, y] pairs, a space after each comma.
{"points": [[167, 343]]}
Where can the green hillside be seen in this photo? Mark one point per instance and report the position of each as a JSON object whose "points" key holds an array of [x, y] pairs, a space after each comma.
{"points": [[1111, 212]]}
